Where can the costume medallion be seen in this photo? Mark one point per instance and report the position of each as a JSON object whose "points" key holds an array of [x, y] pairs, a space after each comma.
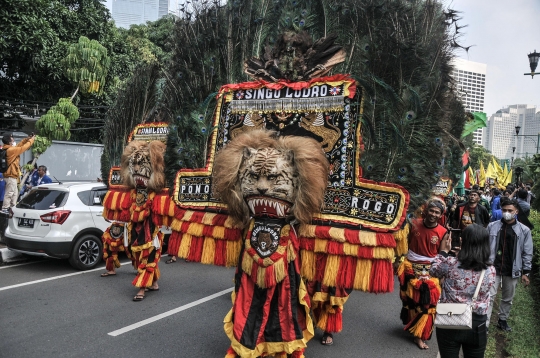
{"points": [[142, 196], [265, 236]]}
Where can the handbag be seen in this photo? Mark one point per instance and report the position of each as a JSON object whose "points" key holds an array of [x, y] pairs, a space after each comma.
{"points": [[457, 315]]}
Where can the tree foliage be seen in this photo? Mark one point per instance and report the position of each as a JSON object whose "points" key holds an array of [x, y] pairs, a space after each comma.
{"points": [[87, 65], [35, 38], [36, 35], [478, 154]]}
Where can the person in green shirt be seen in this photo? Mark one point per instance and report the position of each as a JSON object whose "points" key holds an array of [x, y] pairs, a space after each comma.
{"points": [[483, 201]]}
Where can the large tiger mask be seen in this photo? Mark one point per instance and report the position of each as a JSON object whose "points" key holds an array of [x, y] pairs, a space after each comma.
{"points": [[260, 174], [143, 165]]}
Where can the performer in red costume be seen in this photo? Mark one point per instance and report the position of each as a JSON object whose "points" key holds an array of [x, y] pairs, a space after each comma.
{"points": [[418, 290], [269, 187]]}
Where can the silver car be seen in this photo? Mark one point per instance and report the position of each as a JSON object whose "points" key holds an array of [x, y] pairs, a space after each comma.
{"points": [[62, 221]]}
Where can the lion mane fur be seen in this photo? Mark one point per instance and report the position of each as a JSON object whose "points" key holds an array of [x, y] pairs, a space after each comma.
{"points": [[310, 163], [153, 150]]}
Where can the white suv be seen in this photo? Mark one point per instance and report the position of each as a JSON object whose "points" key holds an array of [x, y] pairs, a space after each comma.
{"points": [[62, 221]]}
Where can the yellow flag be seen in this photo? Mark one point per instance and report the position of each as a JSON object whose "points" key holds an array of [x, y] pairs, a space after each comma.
{"points": [[505, 175], [498, 171], [472, 176], [509, 178], [482, 175], [491, 172]]}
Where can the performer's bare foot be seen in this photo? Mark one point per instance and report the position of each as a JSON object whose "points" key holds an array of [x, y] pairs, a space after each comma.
{"points": [[108, 273], [420, 343]]}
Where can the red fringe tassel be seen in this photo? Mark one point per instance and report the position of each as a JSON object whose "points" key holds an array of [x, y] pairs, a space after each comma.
{"points": [[174, 243], [382, 277], [335, 321]]}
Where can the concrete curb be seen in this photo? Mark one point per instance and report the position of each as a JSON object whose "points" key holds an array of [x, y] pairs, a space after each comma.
{"points": [[6, 255]]}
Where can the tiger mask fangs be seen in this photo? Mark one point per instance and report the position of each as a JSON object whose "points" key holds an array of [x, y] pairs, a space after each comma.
{"points": [[143, 165], [259, 174]]}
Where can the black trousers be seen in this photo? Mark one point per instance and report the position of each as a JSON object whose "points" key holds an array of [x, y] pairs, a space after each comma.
{"points": [[472, 340]]}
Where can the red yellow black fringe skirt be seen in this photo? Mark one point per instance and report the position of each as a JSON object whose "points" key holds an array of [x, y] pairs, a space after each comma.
{"points": [[419, 293], [327, 305], [146, 243], [272, 320]]}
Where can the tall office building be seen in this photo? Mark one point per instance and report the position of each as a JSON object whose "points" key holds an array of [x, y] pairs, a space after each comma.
{"points": [[501, 137], [135, 12], [471, 84]]}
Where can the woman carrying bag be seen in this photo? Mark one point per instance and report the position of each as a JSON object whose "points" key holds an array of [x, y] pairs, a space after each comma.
{"points": [[461, 277]]}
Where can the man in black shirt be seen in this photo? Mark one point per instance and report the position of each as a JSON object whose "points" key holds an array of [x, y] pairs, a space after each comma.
{"points": [[470, 212], [511, 253]]}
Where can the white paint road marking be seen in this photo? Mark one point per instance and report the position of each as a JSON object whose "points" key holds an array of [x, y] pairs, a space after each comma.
{"points": [[168, 313], [55, 277]]}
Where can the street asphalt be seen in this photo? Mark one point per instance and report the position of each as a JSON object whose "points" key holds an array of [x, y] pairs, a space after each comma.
{"points": [[48, 309]]}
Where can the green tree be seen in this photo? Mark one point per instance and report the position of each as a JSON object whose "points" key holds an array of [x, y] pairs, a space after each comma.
{"points": [[86, 66], [36, 35], [478, 154], [531, 168]]}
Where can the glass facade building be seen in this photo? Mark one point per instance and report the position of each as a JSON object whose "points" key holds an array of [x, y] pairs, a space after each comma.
{"points": [[135, 12], [470, 79]]}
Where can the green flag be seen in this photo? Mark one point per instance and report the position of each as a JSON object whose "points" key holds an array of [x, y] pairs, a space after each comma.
{"points": [[474, 121]]}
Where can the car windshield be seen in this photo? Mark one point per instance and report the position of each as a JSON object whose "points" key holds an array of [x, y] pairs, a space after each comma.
{"points": [[40, 199]]}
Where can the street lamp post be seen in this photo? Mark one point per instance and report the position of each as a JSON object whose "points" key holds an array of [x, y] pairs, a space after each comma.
{"points": [[537, 142], [533, 62]]}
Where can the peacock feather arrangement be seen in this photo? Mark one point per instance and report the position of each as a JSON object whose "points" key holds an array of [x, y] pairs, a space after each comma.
{"points": [[399, 52]]}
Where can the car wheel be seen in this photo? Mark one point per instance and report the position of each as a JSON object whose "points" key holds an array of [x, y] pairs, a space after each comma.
{"points": [[86, 253]]}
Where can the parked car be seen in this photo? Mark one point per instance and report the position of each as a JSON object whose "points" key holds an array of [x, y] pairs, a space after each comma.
{"points": [[62, 221]]}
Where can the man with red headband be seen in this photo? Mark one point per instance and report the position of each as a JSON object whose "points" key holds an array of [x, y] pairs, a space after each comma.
{"points": [[420, 292]]}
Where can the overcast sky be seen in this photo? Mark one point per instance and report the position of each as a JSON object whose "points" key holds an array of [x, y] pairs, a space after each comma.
{"points": [[504, 32]]}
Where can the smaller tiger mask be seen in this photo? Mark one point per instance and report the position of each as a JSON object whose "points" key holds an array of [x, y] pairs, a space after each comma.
{"points": [[260, 174], [143, 165]]}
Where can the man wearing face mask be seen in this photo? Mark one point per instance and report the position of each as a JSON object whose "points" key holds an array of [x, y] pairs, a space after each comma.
{"points": [[511, 253]]}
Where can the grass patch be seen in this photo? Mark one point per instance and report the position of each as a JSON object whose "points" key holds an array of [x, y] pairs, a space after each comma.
{"points": [[491, 347], [496, 339], [524, 340]]}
